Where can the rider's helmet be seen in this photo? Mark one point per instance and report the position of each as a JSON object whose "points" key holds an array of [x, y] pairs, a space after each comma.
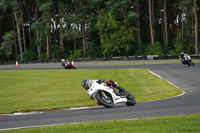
{"points": [[85, 84], [182, 53]]}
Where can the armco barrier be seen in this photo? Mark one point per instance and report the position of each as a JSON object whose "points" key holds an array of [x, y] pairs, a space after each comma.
{"points": [[134, 57]]}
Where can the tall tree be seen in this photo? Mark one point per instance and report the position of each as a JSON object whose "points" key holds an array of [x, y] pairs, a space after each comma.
{"points": [[37, 30], [162, 22], [195, 25], [151, 22], [22, 23], [29, 29], [14, 5], [18, 32], [165, 24], [138, 24], [45, 8], [83, 24], [61, 24]]}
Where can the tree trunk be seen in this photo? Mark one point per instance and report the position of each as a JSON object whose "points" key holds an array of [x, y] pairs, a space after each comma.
{"points": [[83, 36], [150, 23], [165, 24], [22, 24], [60, 28], [29, 30], [162, 23], [195, 26], [138, 24], [47, 39], [76, 26], [13, 22], [74, 43], [83, 30], [18, 35], [152, 14], [182, 29], [37, 32]]}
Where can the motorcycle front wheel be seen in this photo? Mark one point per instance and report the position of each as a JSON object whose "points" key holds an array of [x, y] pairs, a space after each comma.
{"points": [[104, 99], [130, 99]]}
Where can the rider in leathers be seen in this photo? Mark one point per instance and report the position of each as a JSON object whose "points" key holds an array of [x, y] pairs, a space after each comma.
{"points": [[185, 59], [112, 84]]}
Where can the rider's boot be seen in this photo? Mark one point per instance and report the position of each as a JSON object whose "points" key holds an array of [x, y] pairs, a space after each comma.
{"points": [[117, 93], [121, 89]]}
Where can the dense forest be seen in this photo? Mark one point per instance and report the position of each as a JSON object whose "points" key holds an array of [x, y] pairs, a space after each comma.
{"points": [[47, 29]]}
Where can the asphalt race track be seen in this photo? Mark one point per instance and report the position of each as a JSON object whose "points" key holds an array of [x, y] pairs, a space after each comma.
{"points": [[186, 78]]}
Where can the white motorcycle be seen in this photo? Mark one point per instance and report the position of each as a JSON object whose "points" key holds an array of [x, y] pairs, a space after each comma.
{"points": [[186, 59], [106, 94]]}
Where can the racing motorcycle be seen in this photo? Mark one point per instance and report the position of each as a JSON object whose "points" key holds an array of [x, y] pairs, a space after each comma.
{"points": [[106, 93], [68, 64], [186, 59]]}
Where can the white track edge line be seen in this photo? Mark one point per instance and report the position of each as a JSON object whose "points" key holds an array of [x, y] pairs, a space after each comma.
{"points": [[169, 83]]}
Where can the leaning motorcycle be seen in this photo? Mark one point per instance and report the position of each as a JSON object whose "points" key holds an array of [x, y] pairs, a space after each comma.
{"points": [[186, 59], [67, 64], [106, 95]]}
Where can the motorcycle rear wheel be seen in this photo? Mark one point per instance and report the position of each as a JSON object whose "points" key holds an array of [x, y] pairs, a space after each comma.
{"points": [[130, 99], [105, 99]]}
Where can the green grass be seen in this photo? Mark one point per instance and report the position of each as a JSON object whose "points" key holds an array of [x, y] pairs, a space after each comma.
{"points": [[171, 124], [29, 90]]}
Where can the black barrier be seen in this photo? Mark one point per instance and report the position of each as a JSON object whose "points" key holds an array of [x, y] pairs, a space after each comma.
{"points": [[120, 58]]}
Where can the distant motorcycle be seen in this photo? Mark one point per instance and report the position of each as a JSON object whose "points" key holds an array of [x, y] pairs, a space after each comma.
{"points": [[68, 64], [186, 59], [106, 94]]}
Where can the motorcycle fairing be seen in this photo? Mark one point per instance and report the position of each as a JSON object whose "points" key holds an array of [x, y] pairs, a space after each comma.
{"points": [[95, 87]]}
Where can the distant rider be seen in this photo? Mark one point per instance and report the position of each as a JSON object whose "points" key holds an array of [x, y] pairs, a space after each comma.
{"points": [[186, 59], [184, 56]]}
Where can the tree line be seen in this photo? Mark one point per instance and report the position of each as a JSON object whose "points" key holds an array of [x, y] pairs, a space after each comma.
{"points": [[47, 29]]}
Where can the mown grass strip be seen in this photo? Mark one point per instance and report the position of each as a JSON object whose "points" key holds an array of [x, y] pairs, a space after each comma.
{"points": [[29, 90], [172, 124]]}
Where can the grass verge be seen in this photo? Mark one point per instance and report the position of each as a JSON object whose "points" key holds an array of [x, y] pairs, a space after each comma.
{"points": [[171, 124], [29, 90]]}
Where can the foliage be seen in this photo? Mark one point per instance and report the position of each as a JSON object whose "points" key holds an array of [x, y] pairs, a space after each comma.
{"points": [[115, 39], [77, 54], [5, 4], [95, 51], [99, 28], [55, 52], [178, 45], [29, 55], [8, 43], [154, 49], [2, 56]]}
